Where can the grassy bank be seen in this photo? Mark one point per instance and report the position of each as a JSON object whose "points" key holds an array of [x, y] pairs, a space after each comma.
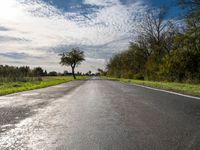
{"points": [[185, 88], [12, 87]]}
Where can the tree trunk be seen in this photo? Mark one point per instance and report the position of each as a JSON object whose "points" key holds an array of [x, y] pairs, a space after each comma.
{"points": [[73, 73]]}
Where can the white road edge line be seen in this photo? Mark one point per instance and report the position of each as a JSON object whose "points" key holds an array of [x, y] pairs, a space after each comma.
{"points": [[161, 90]]}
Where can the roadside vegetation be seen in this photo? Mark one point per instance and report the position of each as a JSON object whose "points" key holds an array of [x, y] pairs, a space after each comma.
{"points": [[165, 54], [16, 79], [164, 50], [19, 86], [184, 88]]}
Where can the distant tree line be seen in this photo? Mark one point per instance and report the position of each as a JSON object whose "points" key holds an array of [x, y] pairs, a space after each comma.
{"points": [[163, 50], [24, 73]]}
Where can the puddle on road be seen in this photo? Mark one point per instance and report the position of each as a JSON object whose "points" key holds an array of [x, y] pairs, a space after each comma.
{"points": [[29, 94], [9, 116], [6, 97], [6, 127]]}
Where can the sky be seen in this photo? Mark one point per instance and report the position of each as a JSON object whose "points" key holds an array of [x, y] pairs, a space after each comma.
{"points": [[35, 32]]}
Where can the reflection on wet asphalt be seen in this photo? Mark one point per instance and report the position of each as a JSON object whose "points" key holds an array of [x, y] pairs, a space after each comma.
{"points": [[98, 115]]}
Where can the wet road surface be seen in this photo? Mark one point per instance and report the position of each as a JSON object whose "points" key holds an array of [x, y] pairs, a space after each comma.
{"points": [[99, 115]]}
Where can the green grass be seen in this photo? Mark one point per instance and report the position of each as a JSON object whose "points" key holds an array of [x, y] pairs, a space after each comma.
{"points": [[13, 87], [185, 88]]}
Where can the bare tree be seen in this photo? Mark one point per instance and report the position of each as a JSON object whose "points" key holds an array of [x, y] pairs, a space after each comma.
{"points": [[155, 29]]}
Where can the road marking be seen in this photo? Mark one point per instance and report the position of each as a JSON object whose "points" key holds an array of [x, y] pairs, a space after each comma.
{"points": [[161, 90]]}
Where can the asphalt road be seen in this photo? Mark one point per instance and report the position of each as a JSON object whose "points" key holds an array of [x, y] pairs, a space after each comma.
{"points": [[99, 115]]}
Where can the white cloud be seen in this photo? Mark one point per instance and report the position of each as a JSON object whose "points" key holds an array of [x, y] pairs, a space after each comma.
{"points": [[41, 26], [101, 2]]}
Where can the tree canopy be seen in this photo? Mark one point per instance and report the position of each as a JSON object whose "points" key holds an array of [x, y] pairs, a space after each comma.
{"points": [[162, 51], [72, 58]]}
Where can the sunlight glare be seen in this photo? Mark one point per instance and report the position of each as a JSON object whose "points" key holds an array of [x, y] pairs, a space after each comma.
{"points": [[9, 9]]}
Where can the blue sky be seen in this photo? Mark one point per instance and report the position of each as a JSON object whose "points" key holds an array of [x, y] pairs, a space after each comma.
{"points": [[34, 32]]}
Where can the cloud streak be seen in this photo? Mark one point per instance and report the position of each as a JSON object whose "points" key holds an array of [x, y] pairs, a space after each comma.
{"points": [[43, 30], [2, 28]]}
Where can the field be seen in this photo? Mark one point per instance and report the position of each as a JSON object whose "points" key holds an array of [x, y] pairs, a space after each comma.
{"points": [[12, 87], [185, 88]]}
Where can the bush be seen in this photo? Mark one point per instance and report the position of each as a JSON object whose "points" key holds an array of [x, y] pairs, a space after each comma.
{"points": [[139, 76], [53, 73]]}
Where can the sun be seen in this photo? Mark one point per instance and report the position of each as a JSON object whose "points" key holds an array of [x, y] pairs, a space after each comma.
{"points": [[9, 9]]}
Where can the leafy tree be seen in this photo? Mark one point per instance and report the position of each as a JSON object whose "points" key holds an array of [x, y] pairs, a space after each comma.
{"points": [[38, 71], [183, 64], [52, 73], [72, 58], [22, 74], [45, 73], [162, 51], [89, 72]]}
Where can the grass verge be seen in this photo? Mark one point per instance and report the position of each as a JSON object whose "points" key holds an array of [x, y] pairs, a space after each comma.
{"points": [[184, 88], [13, 87]]}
